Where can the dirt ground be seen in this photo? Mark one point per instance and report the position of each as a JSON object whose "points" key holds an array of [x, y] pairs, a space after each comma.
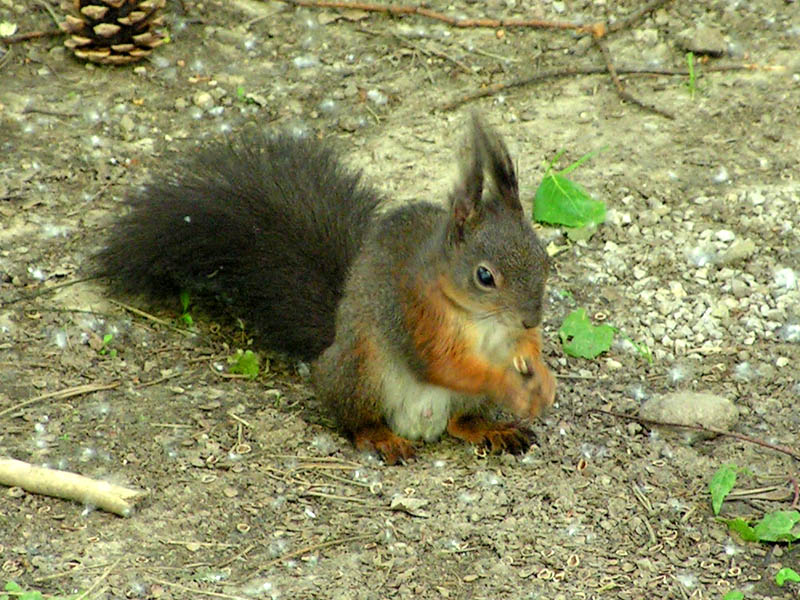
{"points": [[251, 493]]}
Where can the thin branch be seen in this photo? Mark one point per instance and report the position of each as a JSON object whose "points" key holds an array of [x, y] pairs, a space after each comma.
{"points": [[396, 10], [560, 72], [636, 15], [739, 436], [139, 312], [621, 91], [197, 591], [46, 290], [31, 35], [315, 547], [98, 581], [50, 113], [62, 394]]}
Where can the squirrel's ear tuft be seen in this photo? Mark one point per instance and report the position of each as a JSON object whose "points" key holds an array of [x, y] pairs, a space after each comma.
{"points": [[491, 149]]}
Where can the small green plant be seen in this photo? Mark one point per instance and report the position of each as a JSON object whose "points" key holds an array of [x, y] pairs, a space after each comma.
{"points": [[776, 526], [721, 484], [15, 592], [245, 362], [105, 349], [243, 96], [566, 294], [185, 317], [561, 201], [692, 83], [582, 339], [787, 574], [641, 348]]}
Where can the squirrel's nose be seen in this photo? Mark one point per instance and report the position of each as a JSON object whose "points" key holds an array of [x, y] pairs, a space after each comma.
{"points": [[529, 324]]}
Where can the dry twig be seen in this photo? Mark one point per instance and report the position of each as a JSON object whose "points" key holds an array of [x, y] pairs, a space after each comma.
{"points": [[739, 436], [31, 35], [556, 73], [621, 91], [394, 9], [78, 390]]}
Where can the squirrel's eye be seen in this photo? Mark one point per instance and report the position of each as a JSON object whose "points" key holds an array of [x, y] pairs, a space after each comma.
{"points": [[484, 277]]}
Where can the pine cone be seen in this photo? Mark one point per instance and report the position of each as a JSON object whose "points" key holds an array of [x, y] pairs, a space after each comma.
{"points": [[112, 32]]}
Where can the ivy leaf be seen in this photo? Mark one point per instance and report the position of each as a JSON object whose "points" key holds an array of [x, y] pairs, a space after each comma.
{"points": [[563, 202], [778, 526], [721, 485], [786, 574], [580, 338], [733, 595]]}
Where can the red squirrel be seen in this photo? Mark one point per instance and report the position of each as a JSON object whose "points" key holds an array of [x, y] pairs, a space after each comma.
{"points": [[419, 319]]}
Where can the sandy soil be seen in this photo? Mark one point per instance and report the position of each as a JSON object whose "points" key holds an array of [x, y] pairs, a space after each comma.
{"points": [[251, 493]]}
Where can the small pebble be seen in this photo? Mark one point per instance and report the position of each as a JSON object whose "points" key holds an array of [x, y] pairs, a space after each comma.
{"points": [[203, 100]]}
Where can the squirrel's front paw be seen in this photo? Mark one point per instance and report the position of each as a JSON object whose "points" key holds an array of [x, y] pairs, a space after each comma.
{"points": [[538, 386]]}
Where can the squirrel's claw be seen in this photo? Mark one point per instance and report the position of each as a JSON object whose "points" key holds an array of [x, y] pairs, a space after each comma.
{"points": [[496, 437], [523, 365]]}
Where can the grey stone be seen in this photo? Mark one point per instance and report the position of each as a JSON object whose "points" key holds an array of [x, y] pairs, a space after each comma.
{"points": [[692, 408], [702, 40]]}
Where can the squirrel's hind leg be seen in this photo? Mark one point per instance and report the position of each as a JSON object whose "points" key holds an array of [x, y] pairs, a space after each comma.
{"points": [[390, 446], [496, 436], [347, 386]]}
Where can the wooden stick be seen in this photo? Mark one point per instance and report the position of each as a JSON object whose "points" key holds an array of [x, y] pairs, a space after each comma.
{"points": [[71, 486], [61, 394]]}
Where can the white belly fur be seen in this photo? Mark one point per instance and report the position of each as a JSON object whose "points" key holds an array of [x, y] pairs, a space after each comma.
{"points": [[412, 408]]}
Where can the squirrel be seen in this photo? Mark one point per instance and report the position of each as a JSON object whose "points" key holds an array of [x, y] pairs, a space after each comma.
{"points": [[420, 319]]}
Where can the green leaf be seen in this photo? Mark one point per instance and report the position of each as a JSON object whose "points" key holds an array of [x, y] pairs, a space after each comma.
{"points": [[786, 574], [580, 338], [245, 363], [563, 202], [740, 526], [778, 526], [733, 595], [185, 300], [721, 485], [692, 83]]}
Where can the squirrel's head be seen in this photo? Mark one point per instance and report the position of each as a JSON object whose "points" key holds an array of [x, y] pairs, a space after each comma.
{"points": [[497, 265]]}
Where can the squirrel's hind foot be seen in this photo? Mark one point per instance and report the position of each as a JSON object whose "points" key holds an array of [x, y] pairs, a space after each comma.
{"points": [[497, 437], [380, 439]]}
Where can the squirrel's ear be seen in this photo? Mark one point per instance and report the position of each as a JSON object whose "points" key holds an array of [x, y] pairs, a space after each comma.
{"points": [[488, 154], [466, 197], [494, 154]]}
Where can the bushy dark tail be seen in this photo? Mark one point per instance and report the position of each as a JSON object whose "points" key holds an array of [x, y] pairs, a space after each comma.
{"points": [[268, 224]]}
